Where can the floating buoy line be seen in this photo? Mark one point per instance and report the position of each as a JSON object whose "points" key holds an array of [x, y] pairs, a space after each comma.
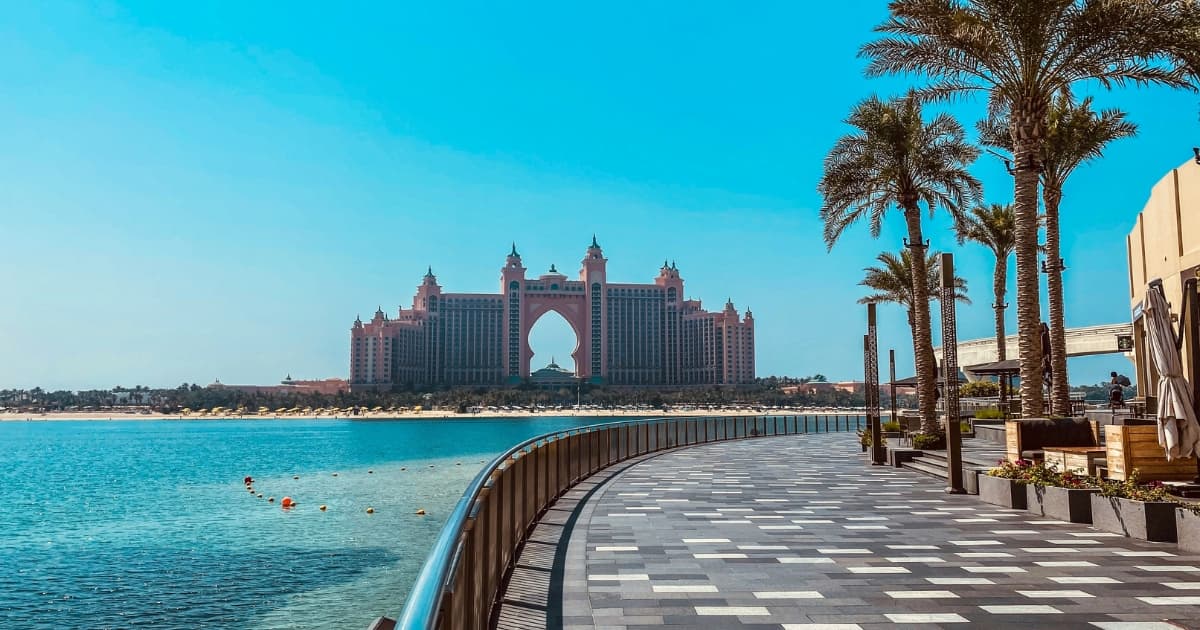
{"points": [[287, 502]]}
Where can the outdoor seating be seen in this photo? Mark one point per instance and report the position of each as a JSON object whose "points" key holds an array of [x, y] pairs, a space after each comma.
{"points": [[1027, 438]]}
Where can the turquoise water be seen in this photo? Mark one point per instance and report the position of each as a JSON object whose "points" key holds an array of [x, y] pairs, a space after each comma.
{"points": [[147, 523], [115, 524]]}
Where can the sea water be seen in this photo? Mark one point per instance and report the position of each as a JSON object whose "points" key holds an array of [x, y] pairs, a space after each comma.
{"points": [[147, 524], [120, 524]]}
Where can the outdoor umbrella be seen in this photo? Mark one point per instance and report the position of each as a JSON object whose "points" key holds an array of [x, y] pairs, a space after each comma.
{"points": [[1178, 431]]}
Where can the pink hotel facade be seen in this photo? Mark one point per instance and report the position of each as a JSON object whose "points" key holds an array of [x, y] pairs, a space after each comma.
{"points": [[627, 334]]}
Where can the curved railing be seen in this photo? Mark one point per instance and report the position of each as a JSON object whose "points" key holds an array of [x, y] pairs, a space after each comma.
{"points": [[463, 575]]}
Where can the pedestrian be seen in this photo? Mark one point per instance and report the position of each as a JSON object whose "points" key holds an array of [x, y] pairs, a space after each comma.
{"points": [[1116, 389]]}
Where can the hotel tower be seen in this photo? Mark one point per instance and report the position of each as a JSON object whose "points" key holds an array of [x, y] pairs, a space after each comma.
{"points": [[627, 334]]}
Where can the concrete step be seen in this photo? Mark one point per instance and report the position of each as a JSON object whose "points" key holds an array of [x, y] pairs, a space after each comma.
{"points": [[921, 465]]}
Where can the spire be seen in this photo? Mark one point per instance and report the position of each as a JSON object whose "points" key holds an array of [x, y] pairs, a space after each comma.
{"points": [[514, 250], [665, 265], [429, 272], [673, 266], [594, 243]]}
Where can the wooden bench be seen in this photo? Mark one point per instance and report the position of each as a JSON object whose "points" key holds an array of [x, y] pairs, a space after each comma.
{"points": [[1132, 447], [1026, 438]]}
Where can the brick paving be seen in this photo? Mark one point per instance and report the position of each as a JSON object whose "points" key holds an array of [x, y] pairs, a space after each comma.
{"points": [[799, 532]]}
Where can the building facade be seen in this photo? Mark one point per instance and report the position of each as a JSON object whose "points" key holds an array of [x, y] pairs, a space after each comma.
{"points": [[627, 334], [1164, 246]]}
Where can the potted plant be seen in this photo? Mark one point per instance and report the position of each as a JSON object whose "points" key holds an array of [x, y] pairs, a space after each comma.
{"points": [[1143, 511], [1063, 496], [1004, 485], [864, 438], [891, 429]]}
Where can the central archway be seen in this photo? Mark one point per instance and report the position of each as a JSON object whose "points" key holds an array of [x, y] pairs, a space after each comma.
{"points": [[551, 338], [568, 311]]}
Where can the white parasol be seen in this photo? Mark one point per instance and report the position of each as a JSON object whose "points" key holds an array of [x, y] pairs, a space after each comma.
{"points": [[1178, 431]]}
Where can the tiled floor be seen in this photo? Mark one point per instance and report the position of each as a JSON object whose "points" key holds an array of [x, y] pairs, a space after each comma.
{"points": [[799, 532]]}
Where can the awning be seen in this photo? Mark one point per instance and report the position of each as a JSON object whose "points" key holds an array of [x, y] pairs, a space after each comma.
{"points": [[999, 368], [912, 381]]}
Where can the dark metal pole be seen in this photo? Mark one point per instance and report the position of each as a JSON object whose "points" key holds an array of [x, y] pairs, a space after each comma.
{"points": [[892, 381], [871, 351], [954, 473]]}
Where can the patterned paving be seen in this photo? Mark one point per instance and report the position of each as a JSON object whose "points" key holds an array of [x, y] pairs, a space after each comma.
{"points": [[799, 533]]}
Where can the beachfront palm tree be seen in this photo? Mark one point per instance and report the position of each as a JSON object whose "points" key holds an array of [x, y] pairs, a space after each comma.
{"points": [[1021, 53], [892, 283], [993, 227], [1075, 134], [894, 158]]}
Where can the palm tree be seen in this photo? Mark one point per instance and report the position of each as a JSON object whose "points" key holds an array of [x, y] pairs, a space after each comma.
{"points": [[896, 158], [993, 227], [892, 282], [1075, 134], [1022, 53]]}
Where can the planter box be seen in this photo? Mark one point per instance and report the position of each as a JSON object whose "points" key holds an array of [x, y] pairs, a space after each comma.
{"points": [[1137, 519], [1065, 504], [1003, 492], [1187, 530]]}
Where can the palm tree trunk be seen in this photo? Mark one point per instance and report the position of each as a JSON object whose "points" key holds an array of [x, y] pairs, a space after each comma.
{"points": [[1028, 122], [999, 287], [922, 335], [1060, 396]]}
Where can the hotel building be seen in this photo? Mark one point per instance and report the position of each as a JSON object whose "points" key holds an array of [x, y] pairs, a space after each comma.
{"points": [[627, 334]]}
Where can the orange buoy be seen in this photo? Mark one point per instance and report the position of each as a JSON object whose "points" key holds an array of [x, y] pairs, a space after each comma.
{"points": [[287, 502], [322, 508], [370, 510]]}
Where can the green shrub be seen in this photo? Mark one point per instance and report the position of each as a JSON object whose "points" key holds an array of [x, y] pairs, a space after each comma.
{"points": [[891, 426], [929, 441], [989, 413], [979, 389]]}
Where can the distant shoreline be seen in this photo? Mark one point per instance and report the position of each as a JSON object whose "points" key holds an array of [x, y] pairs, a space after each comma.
{"points": [[421, 415]]}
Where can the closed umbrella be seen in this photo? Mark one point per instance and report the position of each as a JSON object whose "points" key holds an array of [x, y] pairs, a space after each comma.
{"points": [[1178, 431]]}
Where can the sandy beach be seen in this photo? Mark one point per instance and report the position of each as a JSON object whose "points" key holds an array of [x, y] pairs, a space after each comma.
{"points": [[416, 415]]}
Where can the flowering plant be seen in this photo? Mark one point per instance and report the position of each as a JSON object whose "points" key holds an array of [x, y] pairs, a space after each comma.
{"points": [[1011, 470], [1039, 474], [1152, 492]]}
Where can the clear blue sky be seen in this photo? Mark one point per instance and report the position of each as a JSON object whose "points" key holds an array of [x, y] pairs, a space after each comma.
{"points": [[191, 191]]}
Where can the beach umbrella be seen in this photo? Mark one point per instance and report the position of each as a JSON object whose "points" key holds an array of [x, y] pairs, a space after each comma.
{"points": [[1178, 431]]}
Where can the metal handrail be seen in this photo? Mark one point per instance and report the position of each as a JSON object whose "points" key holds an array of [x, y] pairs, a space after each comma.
{"points": [[433, 588]]}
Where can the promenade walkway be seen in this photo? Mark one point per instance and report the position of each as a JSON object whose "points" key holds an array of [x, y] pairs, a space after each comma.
{"points": [[799, 532]]}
